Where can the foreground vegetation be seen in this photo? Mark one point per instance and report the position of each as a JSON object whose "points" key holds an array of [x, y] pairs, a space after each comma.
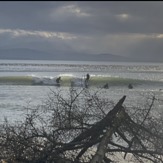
{"points": [[82, 127]]}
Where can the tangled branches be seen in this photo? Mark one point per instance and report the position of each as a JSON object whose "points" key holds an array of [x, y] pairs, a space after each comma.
{"points": [[80, 127]]}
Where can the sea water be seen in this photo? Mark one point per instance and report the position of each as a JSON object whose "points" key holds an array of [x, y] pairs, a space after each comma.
{"points": [[26, 83]]}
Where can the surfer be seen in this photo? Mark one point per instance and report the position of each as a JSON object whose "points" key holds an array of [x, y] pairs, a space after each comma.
{"points": [[87, 77], [58, 81], [86, 80], [106, 86], [130, 86]]}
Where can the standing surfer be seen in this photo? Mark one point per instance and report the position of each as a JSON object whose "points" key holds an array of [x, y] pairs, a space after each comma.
{"points": [[86, 80]]}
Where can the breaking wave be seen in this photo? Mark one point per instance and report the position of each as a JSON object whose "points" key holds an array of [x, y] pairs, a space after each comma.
{"points": [[70, 80]]}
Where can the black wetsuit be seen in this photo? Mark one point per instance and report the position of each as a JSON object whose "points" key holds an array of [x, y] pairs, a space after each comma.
{"points": [[86, 80], [58, 81]]}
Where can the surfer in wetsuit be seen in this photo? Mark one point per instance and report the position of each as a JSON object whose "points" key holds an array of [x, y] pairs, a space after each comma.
{"points": [[130, 86], [106, 86], [86, 80], [58, 81]]}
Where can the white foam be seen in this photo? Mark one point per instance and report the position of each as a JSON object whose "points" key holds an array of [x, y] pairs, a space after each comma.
{"points": [[44, 80], [77, 82]]}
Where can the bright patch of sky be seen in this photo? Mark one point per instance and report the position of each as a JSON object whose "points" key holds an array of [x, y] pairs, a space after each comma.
{"points": [[44, 34]]}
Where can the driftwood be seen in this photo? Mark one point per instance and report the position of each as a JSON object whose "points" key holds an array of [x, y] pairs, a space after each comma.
{"points": [[98, 128], [92, 136], [102, 147]]}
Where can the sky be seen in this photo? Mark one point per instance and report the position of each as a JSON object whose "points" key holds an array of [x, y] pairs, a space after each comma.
{"points": [[125, 28]]}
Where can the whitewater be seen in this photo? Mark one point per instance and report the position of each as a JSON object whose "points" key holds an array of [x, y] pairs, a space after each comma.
{"points": [[26, 83]]}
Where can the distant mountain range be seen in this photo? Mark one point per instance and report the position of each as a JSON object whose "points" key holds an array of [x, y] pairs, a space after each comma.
{"points": [[31, 54]]}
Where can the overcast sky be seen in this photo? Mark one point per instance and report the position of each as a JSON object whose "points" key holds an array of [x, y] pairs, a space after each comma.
{"points": [[125, 28]]}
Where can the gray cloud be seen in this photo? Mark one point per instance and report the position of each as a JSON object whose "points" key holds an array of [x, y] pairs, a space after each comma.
{"points": [[143, 17], [122, 28]]}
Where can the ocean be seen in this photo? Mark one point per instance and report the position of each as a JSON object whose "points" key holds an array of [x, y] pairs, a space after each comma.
{"points": [[26, 83]]}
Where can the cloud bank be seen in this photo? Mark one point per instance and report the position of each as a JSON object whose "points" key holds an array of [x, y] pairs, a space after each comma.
{"points": [[132, 29]]}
